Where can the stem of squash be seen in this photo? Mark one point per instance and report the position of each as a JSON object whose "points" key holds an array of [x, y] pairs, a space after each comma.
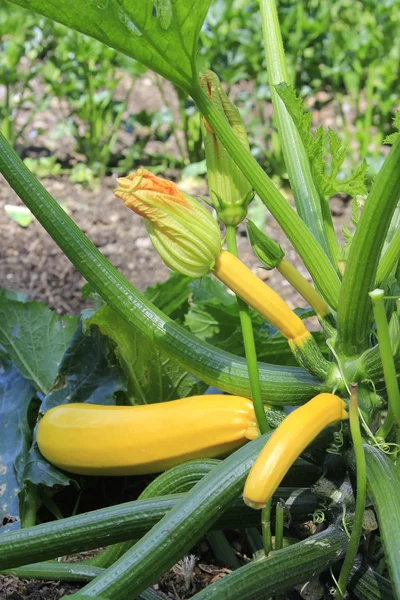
{"points": [[249, 345]]}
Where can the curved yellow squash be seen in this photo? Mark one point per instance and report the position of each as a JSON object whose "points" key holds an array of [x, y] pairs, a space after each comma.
{"points": [[237, 277], [287, 442], [93, 439]]}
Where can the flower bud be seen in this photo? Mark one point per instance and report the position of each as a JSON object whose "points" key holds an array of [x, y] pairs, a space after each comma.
{"points": [[183, 232], [230, 191]]}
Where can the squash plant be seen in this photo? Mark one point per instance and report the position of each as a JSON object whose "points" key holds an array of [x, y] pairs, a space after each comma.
{"points": [[354, 295]]}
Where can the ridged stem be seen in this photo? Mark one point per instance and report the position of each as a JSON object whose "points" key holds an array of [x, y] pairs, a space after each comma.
{"points": [[266, 527], [361, 476], [280, 570], [311, 253], [354, 314], [279, 526], [383, 486], [249, 344], [389, 260], [305, 193], [215, 367], [389, 369]]}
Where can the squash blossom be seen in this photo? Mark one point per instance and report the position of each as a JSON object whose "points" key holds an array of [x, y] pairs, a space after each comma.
{"points": [[183, 232]]}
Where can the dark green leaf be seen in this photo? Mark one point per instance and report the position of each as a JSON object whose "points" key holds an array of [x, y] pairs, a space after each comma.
{"points": [[39, 472], [85, 373], [35, 339], [161, 34], [15, 397], [170, 295], [152, 376]]}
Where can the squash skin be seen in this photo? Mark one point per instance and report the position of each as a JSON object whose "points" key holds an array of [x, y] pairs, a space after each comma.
{"points": [[287, 442], [241, 280], [89, 439]]}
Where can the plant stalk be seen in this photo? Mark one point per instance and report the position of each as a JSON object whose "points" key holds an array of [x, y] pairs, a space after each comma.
{"points": [[389, 369], [354, 314], [279, 526], [361, 476], [249, 344], [266, 527], [389, 260], [306, 195]]}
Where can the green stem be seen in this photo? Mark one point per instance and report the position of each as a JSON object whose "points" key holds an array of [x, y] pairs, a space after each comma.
{"points": [[222, 550], [282, 385], [361, 476], [28, 518], [279, 526], [249, 344], [389, 369], [305, 193], [359, 279], [383, 485], [389, 260], [266, 527], [314, 258]]}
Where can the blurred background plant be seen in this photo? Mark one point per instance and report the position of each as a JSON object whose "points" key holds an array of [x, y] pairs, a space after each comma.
{"points": [[106, 125]]}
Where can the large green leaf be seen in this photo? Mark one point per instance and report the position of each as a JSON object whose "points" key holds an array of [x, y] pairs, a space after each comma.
{"points": [[152, 376], [161, 34], [15, 397], [35, 339], [86, 373], [171, 296]]}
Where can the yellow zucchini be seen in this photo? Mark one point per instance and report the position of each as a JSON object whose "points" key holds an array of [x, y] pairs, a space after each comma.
{"points": [[236, 276], [287, 442], [93, 439]]}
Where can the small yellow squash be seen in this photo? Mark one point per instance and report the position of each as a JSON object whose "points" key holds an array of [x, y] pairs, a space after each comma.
{"points": [[287, 442], [93, 439]]}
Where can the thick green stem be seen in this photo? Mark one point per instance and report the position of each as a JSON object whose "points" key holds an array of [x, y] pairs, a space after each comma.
{"points": [[361, 476], [305, 193], [383, 484], [389, 369], [314, 258], [389, 260], [281, 570], [249, 344], [128, 521], [354, 312], [280, 385]]}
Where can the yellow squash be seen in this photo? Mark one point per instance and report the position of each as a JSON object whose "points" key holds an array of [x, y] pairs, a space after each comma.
{"points": [[287, 442], [236, 276], [93, 439]]}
